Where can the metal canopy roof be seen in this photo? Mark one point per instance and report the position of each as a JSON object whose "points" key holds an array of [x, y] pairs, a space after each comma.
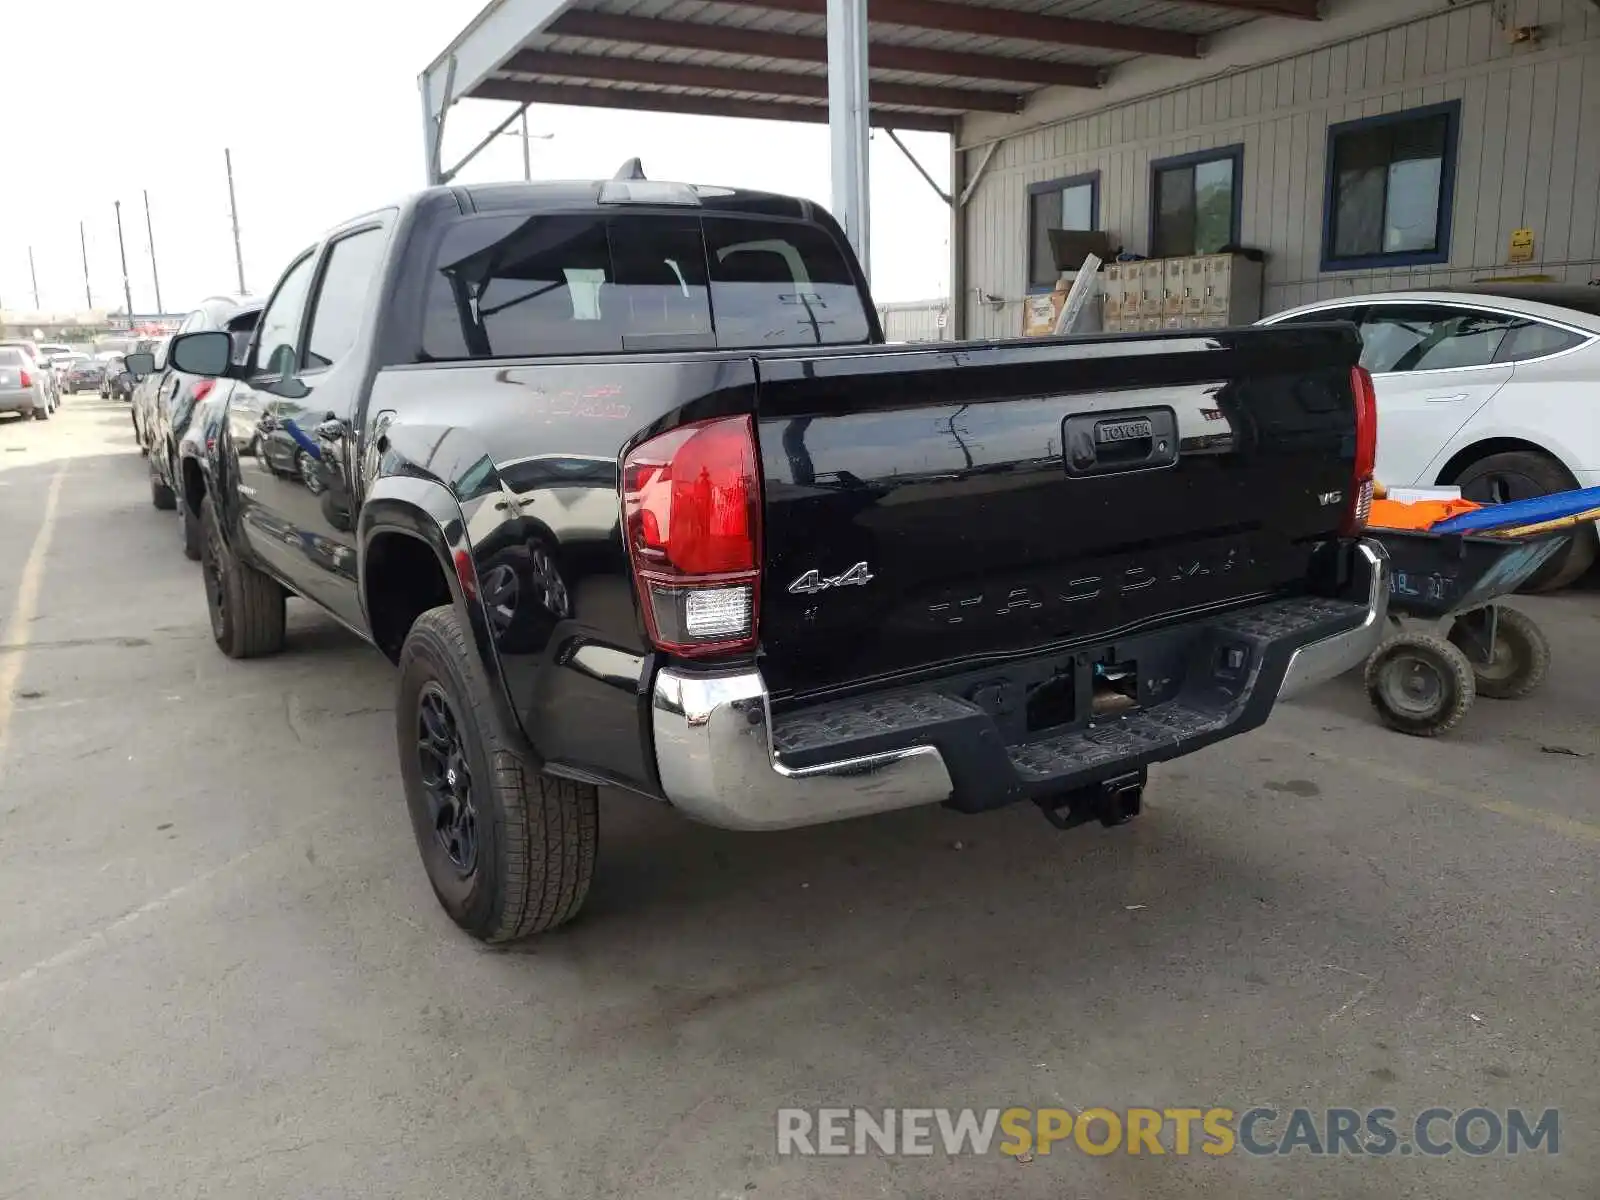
{"points": [[929, 60]]}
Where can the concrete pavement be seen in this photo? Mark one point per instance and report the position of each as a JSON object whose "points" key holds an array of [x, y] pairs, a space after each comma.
{"points": [[222, 972]]}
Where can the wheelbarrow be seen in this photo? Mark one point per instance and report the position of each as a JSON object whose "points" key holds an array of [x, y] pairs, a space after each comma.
{"points": [[1422, 683]]}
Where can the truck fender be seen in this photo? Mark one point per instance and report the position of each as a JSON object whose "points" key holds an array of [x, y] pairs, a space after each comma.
{"points": [[424, 509]]}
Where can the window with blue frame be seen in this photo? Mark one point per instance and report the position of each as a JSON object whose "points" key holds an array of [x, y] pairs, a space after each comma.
{"points": [[1390, 189], [1071, 203], [1194, 202]]}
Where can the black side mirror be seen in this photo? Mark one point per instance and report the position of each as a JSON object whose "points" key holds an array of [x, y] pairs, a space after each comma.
{"points": [[139, 364], [207, 354]]}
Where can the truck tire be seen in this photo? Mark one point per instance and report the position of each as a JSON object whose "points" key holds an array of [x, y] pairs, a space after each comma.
{"points": [[42, 413], [160, 494], [1420, 684], [246, 607], [1519, 475], [509, 851], [188, 530], [1521, 657]]}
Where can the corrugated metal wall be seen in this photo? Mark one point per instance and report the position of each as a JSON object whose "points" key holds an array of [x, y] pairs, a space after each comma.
{"points": [[915, 320], [1529, 154]]}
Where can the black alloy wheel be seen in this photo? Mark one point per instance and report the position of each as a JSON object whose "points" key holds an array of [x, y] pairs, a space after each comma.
{"points": [[446, 779], [213, 564]]}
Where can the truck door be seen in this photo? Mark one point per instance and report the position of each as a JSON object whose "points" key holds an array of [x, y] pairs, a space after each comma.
{"points": [[310, 439], [262, 455]]}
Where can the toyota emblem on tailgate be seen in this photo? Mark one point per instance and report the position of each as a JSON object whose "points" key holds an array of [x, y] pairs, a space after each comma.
{"points": [[1135, 430]]}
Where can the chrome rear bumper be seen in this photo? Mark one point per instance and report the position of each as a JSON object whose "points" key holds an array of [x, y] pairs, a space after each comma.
{"points": [[1329, 658], [714, 754], [716, 761]]}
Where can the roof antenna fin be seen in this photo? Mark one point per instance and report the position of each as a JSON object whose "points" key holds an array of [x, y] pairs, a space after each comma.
{"points": [[632, 169]]}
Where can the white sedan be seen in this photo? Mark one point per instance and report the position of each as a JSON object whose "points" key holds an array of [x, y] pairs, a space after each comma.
{"points": [[1493, 387]]}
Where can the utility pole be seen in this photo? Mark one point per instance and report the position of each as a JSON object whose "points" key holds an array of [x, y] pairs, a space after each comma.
{"points": [[83, 242], [233, 209], [151, 234], [122, 249], [35, 275], [527, 143]]}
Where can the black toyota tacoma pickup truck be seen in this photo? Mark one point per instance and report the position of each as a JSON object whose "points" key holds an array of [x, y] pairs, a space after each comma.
{"points": [[624, 479]]}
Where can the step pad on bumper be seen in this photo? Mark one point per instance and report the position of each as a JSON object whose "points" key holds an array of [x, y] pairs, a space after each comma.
{"points": [[882, 717], [1166, 725], [1207, 701]]}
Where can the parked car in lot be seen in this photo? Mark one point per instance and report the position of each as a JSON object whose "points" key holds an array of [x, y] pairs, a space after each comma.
{"points": [[22, 385], [623, 479], [117, 384], [36, 354], [1490, 387], [85, 375], [146, 383], [57, 355], [177, 402], [171, 397]]}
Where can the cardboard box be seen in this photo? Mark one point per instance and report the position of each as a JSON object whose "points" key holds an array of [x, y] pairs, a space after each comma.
{"points": [[1039, 313], [1041, 310]]}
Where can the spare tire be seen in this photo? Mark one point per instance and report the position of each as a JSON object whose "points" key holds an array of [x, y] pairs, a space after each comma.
{"points": [[1522, 475]]}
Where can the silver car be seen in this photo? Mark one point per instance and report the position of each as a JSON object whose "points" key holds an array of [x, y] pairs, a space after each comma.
{"points": [[32, 350], [23, 385]]}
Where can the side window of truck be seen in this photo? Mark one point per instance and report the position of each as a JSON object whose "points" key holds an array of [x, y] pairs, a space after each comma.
{"points": [[278, 333], [351, 264], [781, 283]]}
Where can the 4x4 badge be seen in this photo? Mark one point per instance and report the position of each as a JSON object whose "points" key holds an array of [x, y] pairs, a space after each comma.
{"points": [[813, 582]]}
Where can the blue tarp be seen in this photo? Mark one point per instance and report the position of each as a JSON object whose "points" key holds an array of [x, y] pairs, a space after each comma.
{"points": [[1522, 512]]}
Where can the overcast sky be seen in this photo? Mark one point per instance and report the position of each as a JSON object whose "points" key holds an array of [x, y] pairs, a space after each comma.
{"points": [[318, 101]]}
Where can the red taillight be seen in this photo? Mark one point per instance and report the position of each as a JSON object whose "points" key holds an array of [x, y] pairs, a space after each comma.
{"points": [[692, 510], [27, 380], [202, 389], [1366, 460]]}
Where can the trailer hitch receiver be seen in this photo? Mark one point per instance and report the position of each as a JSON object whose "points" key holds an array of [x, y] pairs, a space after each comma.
{"points": [[1111, 802]]}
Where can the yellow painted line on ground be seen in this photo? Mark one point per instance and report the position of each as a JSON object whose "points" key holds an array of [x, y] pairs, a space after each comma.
{"points": [[1572, 827], [17, 628]]}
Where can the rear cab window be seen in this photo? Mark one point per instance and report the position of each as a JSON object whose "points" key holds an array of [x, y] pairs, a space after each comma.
{"points": [[519, 285]]}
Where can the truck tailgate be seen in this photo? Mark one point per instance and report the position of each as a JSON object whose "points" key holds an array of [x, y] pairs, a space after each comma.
{"points": [[935, 507]]}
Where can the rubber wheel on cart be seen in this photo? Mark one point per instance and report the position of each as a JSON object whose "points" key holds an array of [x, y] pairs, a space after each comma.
{"points": [[1420, 684], [246, 607], [1521, 657], [1522, 475], [509, 851]]}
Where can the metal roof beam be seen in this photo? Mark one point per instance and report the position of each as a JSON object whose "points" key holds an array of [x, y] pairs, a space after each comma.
{"points": [[917, 163], [987, 21], [470, 58], [725, 39], [480, 48], [702, 106], [775, 83], [1300, 10]]}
